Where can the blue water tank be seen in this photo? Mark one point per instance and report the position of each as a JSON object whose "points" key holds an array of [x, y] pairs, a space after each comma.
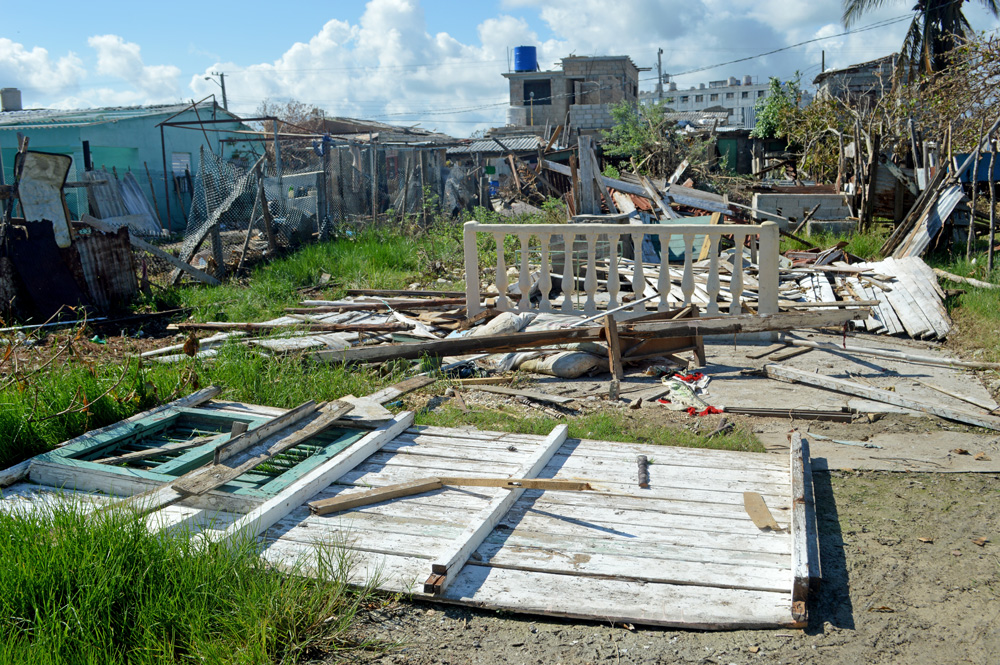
{"points": [[525, 59]]}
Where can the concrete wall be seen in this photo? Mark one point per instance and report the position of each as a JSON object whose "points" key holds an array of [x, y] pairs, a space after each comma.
{"points": [[832, 206], [591, 116]]}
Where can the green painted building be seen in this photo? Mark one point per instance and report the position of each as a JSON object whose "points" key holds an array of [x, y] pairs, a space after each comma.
{"points": [[123, 139]]}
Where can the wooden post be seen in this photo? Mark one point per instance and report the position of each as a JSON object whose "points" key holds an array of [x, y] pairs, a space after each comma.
{"points": [[588, 195], [423, 190], [152, 191], [471, 269], [614, 355], [374, 164], [993, 209], [975, 182], [272, 243]]}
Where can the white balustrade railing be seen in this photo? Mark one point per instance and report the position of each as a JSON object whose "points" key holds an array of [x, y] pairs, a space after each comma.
{"points": [[718, 287]]}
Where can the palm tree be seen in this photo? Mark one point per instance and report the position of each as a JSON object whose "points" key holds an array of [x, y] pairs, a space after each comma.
{"points": [[933, 32]]}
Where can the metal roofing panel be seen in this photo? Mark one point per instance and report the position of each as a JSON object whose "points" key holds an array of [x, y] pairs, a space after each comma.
{"points": [[514, 143]]}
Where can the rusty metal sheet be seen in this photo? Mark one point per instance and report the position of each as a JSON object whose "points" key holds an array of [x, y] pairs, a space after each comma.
{"points": [[47, 281], [108, 269]]}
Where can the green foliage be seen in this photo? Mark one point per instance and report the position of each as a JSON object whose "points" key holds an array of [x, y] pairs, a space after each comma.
{"points": [[611, 172], [777, 109], [80, 586]]}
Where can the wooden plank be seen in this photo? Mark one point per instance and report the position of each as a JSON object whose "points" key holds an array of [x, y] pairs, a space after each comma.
{"points": [[157, 451], [744, 323], [759, 512], [272, 510], [235, 466], [789, 353], [514, 392], [14, 474], [395, 391], [801, 532], [982, 404], [446, 568], [979, 284], [396, 491], [618, 601], [767, 350], [614, 354], [879, 395], [706, 245], [894, 355]]}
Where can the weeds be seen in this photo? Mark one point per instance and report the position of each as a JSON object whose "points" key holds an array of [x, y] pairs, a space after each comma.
{"points": [[603, 426], [99, 588]]}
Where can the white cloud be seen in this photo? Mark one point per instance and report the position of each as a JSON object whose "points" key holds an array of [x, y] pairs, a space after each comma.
{"points": [[36, 72], [392, 64], [121, 59]]}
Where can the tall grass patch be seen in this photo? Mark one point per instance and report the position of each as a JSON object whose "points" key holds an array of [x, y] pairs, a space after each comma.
{"points": [[99, 588]]}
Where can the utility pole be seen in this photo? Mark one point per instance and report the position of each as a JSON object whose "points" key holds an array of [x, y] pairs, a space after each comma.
{"points": [[822, 62], [222, 82], [659, 74]]}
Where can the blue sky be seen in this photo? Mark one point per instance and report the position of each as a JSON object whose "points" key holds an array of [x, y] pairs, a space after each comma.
{"points": [[432, 62]]}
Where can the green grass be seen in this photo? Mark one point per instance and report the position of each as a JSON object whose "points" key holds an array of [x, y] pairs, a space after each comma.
{"points": [[976, 312], [378, 259], [865, 245], [602, 426], [100, 589]]}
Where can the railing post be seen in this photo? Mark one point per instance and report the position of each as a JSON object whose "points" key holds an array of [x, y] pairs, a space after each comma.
{"points": [[767, 294], [472, 276]]}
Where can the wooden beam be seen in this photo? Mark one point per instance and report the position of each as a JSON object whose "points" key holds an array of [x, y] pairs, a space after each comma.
{"points": [[614, 355], [514, 392], [397, 390], [316, 326], [723, 325], [805, 540], [159, 450], [225, 471], [447, 565], [706, 245], [300, 491], [965, 280], [399, 490], [879, 395], [892, 355]]}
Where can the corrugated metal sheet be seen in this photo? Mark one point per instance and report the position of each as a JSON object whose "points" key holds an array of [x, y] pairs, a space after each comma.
{"points": [[106, 260], [49, 118], [513, 143]]}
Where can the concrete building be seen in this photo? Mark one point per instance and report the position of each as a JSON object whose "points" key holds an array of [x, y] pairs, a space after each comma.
{"points": [[864, 81], [123, 139], [580, 93], [737, 97]]}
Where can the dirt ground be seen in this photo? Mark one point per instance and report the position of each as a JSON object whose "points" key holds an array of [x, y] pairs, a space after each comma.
{"points": [[903, 582]]}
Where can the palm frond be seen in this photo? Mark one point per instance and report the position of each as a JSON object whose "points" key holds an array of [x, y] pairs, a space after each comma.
{"points": [[855, 9]]}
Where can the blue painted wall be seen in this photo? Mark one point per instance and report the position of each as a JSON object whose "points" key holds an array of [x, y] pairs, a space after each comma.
{"points": [[124, 144]]}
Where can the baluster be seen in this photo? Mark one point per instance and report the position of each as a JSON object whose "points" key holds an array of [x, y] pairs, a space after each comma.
{"points": [[524, 277], [502, 303], [713, 274], [753, 248], [590, 283], [663, 283], [687, 282], [638, 279], [545, 283], [568, 278], [613, 277], [736, 283]]}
